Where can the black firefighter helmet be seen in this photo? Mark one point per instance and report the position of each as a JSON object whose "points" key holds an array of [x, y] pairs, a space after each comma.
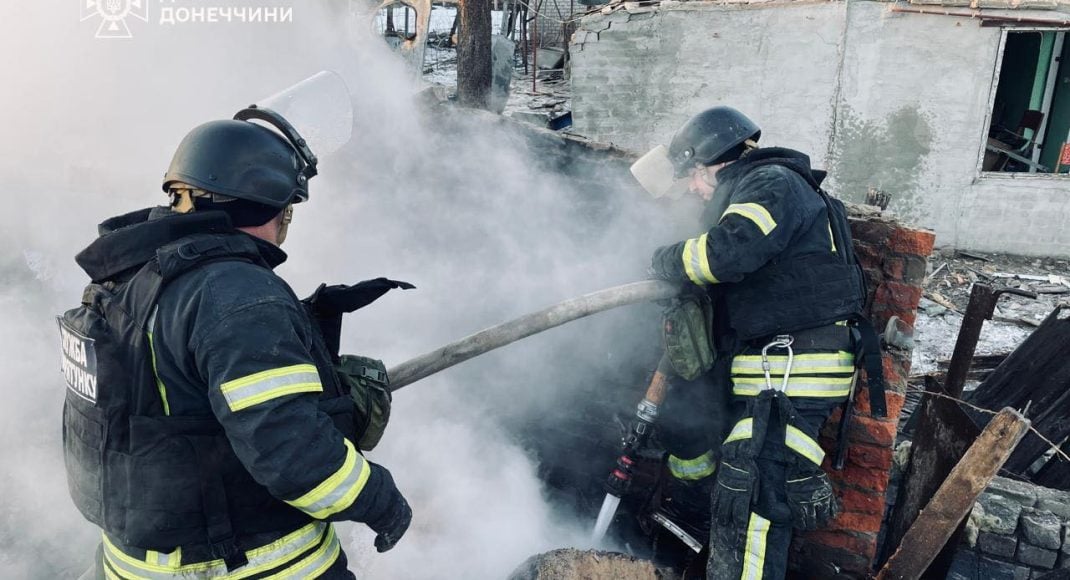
{"points": [[713, 136], [246, 161]]}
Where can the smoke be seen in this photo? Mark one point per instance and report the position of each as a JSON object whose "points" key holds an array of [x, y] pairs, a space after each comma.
{"points": [[459, 204]]}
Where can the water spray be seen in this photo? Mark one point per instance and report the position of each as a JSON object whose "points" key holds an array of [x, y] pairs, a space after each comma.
{"points": [[646, 415]]}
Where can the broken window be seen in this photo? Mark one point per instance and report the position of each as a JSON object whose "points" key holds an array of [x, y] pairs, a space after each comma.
{"points": [[1030, 118]]}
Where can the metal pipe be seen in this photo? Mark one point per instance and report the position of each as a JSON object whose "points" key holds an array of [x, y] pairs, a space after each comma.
{"points": [[534, 47], [508, 332]]}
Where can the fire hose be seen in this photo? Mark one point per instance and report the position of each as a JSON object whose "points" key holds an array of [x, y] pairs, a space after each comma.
{"points": [[505, 333]]}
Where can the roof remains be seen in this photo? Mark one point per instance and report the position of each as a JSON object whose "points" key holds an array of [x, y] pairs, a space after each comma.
{"points": [[1061, 5]]}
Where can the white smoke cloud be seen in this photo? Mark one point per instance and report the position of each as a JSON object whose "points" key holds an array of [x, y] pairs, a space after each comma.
{"points": [[459, 207]]}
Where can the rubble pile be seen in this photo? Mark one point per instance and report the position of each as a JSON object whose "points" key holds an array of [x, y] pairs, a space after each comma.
{"points": [[947, 291]]}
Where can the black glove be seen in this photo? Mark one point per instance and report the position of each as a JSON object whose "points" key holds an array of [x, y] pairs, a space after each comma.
{"points": [[666, 263], [328, 303], [735, 491], [808, 489], [395, 515], [737, 475], [810, 499]]}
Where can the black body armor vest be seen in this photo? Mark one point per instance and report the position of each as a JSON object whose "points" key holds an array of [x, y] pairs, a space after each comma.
{"points": [[801, 291], [148, 479]]}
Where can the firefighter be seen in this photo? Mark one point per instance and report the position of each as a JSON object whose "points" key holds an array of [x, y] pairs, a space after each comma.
{"points": [[217, 440], [776, 257]]}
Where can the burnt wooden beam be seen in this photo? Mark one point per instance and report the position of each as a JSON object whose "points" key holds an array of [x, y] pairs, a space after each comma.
{"points": [[1056, 472], [944, 433], [1037, 375], [955, 498]]}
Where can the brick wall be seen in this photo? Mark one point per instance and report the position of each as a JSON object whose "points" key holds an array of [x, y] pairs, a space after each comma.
{"points": [[894, 259], [1016, 531]]}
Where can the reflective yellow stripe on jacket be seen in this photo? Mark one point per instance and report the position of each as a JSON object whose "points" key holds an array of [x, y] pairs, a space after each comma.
{"points": [[801, 443], [692, 469], [152, 355], [744, 429], [257, 388], [755, 213], [825, 387], [754, 555], [338, 491], [697, 262], [304, 553], [810, 363]]}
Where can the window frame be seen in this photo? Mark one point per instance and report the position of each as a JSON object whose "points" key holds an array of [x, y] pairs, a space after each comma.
{"points": [[997, 69]]}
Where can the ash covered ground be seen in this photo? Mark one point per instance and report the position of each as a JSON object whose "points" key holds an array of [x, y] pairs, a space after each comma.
{"points": [[947, 292]]}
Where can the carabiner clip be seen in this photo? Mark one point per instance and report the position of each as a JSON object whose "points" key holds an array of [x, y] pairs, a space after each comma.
{"points": [[782, 341]]}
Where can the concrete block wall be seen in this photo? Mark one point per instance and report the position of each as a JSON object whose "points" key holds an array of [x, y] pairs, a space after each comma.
{"points": [[894, 258], [1017, 531]]}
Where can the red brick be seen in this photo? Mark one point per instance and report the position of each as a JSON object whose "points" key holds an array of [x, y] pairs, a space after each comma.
{"points": [[864, 478], [859, 454], [869, 255], [893, 401], [901, 358], [874, 274], [880, 432], [907, 241], [856, 522], [914, 268], [898, 296], [870, 456], [892, 373], [856, 543], [831, 427], [872, 232], [893, 268]]}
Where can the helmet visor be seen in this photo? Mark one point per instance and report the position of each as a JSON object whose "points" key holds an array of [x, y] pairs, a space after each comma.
{"points": [[654, 171], [320, 108]]}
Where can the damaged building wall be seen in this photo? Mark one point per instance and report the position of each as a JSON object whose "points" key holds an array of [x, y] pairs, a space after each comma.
{"points": [[637, 77], [893, 101]]}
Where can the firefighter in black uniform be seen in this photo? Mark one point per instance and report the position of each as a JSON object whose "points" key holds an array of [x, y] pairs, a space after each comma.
{"points": [[776, 258], [216, 440]]}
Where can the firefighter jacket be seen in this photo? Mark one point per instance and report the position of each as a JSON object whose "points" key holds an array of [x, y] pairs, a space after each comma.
{"points": [[204, 428], [772, 249]]}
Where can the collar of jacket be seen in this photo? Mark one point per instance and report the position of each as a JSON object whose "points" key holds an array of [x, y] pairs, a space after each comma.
{"points": [[130, 240], [796, 161]]}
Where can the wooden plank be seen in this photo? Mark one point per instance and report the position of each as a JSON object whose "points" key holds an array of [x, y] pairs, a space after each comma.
{"points": [[941, 437], [955, 498]]}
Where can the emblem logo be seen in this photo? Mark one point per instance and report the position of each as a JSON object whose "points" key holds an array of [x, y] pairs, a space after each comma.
{"points": [[113, 15]]}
